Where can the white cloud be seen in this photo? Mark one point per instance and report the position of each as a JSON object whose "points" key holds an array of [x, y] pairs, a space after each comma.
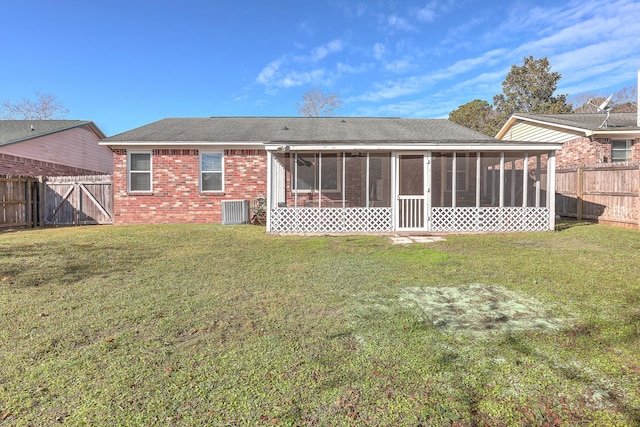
{"points": [[427, 13], [269, 72], [416, 84], [321, 52], [399, 23], [297, 78], [398, 66], [378, 51]]}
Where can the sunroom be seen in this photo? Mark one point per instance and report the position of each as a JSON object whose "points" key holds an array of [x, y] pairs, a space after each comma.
{"points": [[410, 186]]}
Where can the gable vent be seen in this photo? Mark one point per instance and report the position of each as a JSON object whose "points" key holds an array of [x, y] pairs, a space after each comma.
{"points": [[235, 211]]}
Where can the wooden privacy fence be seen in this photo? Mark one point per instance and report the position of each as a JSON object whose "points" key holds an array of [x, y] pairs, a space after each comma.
{"points": [[16, 202], [68, 200], [607, 193]]}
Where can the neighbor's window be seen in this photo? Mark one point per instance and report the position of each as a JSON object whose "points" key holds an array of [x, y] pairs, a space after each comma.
{"points": [[316, 172], [140, 172], [211, 172], [620, 150]]}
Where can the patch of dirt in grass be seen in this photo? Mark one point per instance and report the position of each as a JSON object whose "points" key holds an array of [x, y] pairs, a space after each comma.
{"points": [[480, 308]]}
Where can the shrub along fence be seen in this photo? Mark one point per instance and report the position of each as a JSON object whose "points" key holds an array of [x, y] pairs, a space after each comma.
{"points": [[51, 201], [606, 193]]}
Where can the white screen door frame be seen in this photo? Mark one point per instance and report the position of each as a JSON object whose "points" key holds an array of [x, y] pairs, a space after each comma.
{"points": [[413, 190]]}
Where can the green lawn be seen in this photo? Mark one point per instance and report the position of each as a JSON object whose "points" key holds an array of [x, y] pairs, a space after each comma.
{"points": [[222, 325]]}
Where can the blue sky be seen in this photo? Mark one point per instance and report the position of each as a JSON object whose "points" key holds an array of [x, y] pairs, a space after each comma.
{"points": [[126, 63]]}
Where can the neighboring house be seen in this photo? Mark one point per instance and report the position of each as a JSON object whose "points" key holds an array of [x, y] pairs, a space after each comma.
{"points": [[331, 175], [52, 148], [586, 138]]}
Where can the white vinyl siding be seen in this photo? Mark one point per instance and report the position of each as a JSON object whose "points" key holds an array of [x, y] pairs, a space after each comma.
{"points": [[211, 171], [523, 131], [81, 150], [139, 172]]}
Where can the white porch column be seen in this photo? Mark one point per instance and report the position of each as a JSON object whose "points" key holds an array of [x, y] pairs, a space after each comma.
{"points": [[525, 180], [478, 166], [427, 191], [319, 168], [366, 184], [551, 189], [454, 178], [513, 184], [538, 158], [501, 197], [394, 190], [269, 189]]}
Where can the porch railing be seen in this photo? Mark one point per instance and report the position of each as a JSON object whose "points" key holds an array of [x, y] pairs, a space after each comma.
{"points": [[489, 219], [411, 212], [330, 220]]}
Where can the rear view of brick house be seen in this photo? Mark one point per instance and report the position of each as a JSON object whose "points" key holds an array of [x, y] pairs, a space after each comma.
{"points": [[184, 175], [328, 174]]}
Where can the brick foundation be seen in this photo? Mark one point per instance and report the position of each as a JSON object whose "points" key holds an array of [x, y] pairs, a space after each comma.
{"points": [[176, 197]]}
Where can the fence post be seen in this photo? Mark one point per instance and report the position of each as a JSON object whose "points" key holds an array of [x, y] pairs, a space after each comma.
{"points": [[579, 194], [28, 206], [41, 201]]}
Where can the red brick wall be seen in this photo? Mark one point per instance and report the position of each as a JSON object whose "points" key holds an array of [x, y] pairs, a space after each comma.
{"points": [[582, 151], [176, 197], [21, 166]]}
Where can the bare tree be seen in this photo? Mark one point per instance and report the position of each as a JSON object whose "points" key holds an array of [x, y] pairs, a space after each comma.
{"points": [[622, 101], [46, 107], [315, 103], [626, 100]]}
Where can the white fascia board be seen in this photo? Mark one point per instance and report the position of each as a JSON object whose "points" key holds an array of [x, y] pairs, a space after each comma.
{"points": [[505, 127], [506, 146], [515, 118], [184, 144], [611, 133]]}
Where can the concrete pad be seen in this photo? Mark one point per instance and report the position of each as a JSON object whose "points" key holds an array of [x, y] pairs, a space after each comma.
{"points": [[426, 239], [398, 240]]}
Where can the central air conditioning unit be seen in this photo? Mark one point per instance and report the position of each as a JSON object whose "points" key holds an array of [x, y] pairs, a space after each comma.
{"points": [[235, 211]]}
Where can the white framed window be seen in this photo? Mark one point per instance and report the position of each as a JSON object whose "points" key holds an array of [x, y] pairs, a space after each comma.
{"points": [[316, 172], [211, 171], [139, 171], [621, 150]]}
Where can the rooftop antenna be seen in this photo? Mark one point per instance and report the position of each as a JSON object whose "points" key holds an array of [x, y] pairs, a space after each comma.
{"points": [[604, 107]]}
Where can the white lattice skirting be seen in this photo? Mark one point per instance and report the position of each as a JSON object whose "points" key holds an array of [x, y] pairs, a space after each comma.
{"points": [[331, 220], [489, 219]]}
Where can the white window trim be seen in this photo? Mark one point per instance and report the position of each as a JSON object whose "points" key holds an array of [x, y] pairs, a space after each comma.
{"points": [[129, 172], [200, 171], [627, 150]]}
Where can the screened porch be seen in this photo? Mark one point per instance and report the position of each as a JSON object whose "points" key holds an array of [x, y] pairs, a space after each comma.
{"points": [[396, 191]]}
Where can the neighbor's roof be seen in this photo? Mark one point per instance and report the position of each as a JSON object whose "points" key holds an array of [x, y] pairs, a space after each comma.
{"points": [[14, 131], [298, 130], [588, 123]]}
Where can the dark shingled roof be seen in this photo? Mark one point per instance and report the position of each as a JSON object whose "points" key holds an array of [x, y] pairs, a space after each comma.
{"points": [[616, 121], [301, 130], [13, 131]]}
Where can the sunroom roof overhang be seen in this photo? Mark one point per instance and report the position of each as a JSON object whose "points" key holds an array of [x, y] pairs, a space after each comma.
{"points": [[466, 146]]}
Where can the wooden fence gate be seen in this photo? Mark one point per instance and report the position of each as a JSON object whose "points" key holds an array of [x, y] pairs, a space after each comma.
{"points": [[77, 200]]}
